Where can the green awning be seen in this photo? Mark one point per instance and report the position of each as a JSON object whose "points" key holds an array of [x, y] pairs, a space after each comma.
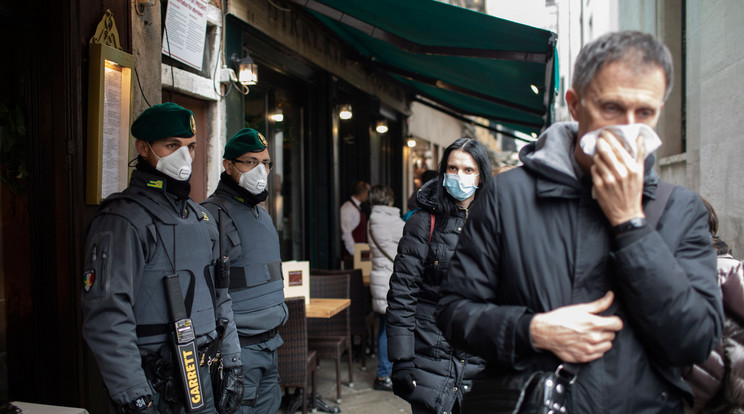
{"points": [[468, 62]]}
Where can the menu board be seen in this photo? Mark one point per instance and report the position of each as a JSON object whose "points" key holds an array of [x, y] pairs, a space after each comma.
{"points": [[296, 279], [110, 172]]}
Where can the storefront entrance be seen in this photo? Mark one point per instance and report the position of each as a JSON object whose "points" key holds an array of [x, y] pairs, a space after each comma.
{"points": [[277, 110]]}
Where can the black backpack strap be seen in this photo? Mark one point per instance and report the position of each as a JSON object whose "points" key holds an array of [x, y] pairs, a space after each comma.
{"points": [[655, 208]]}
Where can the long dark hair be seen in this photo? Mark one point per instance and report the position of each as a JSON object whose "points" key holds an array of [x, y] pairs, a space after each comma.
{"points": [[721, 246], [445, 203]]}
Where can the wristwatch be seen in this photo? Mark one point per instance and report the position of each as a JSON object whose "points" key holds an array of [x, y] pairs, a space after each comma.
{"points": [[632, 224], [136, 405]]}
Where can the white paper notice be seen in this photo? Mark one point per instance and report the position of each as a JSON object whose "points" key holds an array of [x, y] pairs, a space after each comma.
{"points": [[185, 31]]}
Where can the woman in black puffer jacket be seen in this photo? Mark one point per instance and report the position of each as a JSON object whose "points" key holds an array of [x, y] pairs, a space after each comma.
{"points": [[427, 371]]}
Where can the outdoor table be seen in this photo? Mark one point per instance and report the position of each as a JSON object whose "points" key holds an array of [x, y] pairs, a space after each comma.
{"points": [[31, 408], [325, 307]]}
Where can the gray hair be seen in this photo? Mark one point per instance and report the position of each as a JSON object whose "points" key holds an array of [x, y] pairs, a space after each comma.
{"points": [[640, 50], [381, 195]]}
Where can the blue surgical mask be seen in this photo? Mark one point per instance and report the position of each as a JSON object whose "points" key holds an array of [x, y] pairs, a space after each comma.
{"points": [[460, 186]]}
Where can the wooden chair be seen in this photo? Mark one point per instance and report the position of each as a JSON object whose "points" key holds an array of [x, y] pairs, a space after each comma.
{"points": [[296, 362], [331, 337], [360, 310]]}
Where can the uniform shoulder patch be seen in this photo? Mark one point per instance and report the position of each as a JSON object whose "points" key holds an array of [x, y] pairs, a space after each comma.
{"points": [[89, 277]]}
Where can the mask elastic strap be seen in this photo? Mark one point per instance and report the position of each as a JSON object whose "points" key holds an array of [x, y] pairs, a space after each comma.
{"points": [[153, 151]]}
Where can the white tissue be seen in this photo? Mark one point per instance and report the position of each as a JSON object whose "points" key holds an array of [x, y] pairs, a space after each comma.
{"points": [[627, 134]]}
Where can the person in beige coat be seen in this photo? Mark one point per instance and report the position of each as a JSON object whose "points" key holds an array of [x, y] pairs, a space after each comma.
{"points": [[384, 232]]}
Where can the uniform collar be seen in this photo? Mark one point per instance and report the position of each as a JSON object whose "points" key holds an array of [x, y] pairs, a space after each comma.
{"points": [[236, 192], [153, 186]]}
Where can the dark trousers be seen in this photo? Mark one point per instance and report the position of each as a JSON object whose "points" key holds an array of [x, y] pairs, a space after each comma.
{"points": [[261, 380]]}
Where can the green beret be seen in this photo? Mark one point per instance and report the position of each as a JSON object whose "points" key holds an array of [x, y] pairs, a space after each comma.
{"points": [[246, 140], [163, 121]]}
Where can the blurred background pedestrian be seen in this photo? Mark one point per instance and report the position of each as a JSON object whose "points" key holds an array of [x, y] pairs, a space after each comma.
{"points": [[384, 231]]}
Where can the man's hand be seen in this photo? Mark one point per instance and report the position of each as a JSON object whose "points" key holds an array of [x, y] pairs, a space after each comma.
{"points": [[618, 179], [230, 396], [576, 333]]}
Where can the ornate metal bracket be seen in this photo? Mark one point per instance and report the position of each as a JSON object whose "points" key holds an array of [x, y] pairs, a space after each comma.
{"points": [[106, 33]]}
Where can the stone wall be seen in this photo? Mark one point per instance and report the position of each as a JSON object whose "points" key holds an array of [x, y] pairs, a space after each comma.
{"points": [[715, 96]]}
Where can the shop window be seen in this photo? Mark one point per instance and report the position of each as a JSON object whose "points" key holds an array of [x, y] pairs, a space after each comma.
{"points": [[279, 118]]}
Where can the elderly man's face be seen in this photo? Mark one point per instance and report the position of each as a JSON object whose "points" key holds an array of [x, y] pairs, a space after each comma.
{"points": [[619, 94]]}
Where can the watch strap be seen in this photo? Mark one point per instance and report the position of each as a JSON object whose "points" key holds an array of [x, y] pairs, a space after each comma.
{"points": [[632, 224]]}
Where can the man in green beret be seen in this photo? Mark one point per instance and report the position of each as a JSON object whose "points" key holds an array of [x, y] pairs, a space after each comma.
{"points": [[151, 234], [256, 286]]}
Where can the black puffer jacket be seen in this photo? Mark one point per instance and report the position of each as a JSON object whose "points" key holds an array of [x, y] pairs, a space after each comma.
{"points": [[441, 373], [537, 240]]}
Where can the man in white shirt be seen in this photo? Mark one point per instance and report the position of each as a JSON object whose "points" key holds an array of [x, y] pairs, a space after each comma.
{"points": [[353, 220]]}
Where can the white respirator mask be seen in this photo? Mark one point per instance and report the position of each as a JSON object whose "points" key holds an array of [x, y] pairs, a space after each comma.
{"points": [[176, 165], [255, 180]]}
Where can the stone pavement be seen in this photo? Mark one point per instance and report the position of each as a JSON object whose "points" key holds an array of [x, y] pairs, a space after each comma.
{"points": [[359, 399]]}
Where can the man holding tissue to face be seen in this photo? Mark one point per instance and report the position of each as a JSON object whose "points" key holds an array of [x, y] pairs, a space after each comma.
{"points": [[251, 242], [581, 259]]}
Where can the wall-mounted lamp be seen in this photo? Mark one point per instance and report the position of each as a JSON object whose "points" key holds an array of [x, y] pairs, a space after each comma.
{"points": [[277, 116], [411, 143], [381, 127], [345, 112], [246, 69], [535, 89]]}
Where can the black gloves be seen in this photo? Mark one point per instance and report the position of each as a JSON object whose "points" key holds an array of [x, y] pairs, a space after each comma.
{"points": [[142, 405], [230, 395], [149, 410], [403, 379]]}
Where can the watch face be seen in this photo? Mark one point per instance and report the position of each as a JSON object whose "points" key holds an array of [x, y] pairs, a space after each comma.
{"points": [[635, 223], [638, 222]]}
